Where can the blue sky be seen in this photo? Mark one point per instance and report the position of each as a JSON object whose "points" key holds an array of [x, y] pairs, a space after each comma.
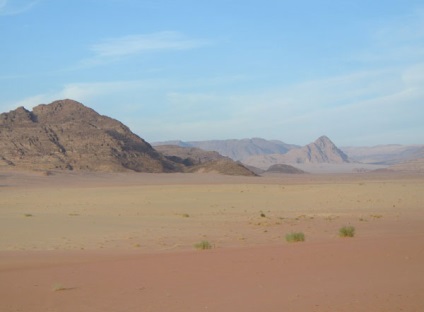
{"points": [[199, 70]]}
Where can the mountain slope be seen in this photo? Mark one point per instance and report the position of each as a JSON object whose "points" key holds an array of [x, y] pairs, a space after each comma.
{"points": [[68, 135], [198, 160]]}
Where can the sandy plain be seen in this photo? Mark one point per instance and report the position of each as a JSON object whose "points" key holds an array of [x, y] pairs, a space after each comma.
{"points": [[124, 242]]}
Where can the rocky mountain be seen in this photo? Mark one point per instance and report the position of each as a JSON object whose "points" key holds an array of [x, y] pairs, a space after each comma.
{"points": [[198, 160], [384, 154], [188, 155], [323, 150], [68, 135], [237, 149]]}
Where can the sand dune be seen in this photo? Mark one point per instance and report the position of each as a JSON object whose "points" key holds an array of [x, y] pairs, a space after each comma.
{"points": [[124, 242]]}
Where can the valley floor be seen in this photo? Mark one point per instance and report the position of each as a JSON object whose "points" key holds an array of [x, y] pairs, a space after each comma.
{"points": [[124, 242]]}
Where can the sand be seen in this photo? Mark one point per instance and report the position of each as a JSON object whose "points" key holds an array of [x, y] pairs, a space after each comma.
{"points": [[124, 242]]}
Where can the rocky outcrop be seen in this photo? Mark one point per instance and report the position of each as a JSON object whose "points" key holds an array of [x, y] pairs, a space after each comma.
{"points": [[68, 135]]}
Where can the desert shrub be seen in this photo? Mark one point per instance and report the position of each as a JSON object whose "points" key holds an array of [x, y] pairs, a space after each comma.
{"points": [[295, 237], [347, 231], [203, 245]]}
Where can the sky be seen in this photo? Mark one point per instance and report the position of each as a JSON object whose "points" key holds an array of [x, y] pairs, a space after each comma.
{"points": [[224, 69]]}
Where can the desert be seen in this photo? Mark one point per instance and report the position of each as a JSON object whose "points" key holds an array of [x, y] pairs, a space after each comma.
{"points": [[86, 241]]}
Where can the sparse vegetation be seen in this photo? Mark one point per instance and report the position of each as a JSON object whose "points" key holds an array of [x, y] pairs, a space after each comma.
{"points": [[203, 245], [185, 215], [28, 215], [295, 237], [347, 231], [263, 215], [60, 287]]}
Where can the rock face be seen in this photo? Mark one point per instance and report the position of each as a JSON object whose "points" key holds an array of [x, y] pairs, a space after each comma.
{"points": [[323, 150], [68, 135]]}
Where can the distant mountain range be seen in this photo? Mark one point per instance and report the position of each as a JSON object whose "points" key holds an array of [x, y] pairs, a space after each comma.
{"points": [[385, 154], [263, 153], [237, 149]]}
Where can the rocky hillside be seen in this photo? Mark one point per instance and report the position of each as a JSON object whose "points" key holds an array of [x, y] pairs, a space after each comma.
{"points": [[237, 149], [323, 150], [68, 135], [188, 155], [198, 160]]}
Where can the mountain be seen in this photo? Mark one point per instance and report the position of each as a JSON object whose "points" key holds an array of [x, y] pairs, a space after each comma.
{"points": [[188, 155], [237, 149], [323, 150], [198, 160], [68, 135], [384, 154]]}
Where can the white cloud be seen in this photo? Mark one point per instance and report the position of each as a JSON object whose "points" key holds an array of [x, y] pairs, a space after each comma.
{"points": [[133, 44], [115, 48], [14, 7]]}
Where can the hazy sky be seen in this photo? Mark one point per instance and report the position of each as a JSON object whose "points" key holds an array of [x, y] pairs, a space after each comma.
{"points": [[224, 69]]}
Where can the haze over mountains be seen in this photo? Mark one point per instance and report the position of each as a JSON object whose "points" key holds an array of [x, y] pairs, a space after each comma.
{"points": [[237, 149], [322, 151], [263, 153]]}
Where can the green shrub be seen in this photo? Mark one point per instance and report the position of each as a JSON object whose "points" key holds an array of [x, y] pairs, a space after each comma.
{"points": [[203, 245], [347, 231], [295, 237]]}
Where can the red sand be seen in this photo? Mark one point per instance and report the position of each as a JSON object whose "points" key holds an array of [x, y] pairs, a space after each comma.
{"points": [[380, 269], [343, 275]]}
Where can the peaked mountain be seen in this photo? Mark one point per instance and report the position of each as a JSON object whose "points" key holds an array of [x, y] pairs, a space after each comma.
{"points": [[323, 150], [237, 149], [68, 135]]}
